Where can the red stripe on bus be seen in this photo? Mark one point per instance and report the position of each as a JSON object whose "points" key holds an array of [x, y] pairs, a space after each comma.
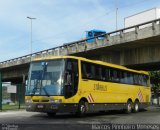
{"points": [[91, 97], [140, 96]]}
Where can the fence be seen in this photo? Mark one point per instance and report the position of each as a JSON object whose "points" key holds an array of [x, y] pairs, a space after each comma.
{"points": [[11, 96]]}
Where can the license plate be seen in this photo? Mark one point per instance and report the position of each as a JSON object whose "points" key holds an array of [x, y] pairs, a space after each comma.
{"points": [[40, 106]]}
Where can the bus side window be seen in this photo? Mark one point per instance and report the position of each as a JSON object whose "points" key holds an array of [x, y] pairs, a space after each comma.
{"points": [[87, 72], [116, 75], [129, 78], [122, 77], [84, 71], [111, 75], [125, 77], [140, 80], [107, 74], [143, 80], [146, 80], [98, 72], [103, 71], [93, 72], [136, 79]]}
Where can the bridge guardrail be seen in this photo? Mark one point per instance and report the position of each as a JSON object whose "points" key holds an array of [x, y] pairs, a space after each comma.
{"points": [[66, 45]]}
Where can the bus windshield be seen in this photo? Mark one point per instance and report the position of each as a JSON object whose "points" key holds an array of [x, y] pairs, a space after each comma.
{"points": [[46, 78]]}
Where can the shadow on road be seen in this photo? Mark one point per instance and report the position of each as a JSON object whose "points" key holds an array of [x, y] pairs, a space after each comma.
{"points": [[88, 115]]}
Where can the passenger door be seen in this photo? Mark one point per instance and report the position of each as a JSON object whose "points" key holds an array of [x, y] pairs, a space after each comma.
{"points": [[71, 78]]}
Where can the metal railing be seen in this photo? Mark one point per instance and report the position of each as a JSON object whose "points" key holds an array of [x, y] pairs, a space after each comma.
{"points": [[66, 45]]}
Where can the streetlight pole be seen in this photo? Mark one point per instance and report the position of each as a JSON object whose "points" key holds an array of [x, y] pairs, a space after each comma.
{"points": [[0, 91], [116, 18], [31, 18], [116, 15]]}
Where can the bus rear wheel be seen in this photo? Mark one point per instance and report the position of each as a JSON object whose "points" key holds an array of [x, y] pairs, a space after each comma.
{"points": [[128, 107], [82, 108], [136, 107]]}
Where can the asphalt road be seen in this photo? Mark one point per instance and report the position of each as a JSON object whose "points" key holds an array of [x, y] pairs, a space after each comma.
{"points": [[17, 120]]}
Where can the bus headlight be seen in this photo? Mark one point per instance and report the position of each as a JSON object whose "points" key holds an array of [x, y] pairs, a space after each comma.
{"points": [[29, 101], [58, 101]]}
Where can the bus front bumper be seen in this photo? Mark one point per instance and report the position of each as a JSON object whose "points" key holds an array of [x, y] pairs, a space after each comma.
{"points": [[51, 107]]}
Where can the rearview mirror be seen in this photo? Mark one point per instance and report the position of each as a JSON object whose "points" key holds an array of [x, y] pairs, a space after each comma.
{"points": [[68, 79]]}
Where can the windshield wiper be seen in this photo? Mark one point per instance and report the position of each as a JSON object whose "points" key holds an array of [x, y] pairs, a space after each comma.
{"points": [[45, 91], [34, 91]]}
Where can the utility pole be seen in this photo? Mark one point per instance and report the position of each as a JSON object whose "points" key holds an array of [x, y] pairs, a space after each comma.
{"points": [[116, 14]]}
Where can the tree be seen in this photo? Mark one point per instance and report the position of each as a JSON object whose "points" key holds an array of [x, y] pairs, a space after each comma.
{"points": [[155, 81]]}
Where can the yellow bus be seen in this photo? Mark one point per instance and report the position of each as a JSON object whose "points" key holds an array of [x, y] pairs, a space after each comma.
{"points": [[79, 85]]}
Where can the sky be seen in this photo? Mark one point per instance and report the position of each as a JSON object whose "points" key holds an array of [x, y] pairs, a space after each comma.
{"points": [[59, 21]]}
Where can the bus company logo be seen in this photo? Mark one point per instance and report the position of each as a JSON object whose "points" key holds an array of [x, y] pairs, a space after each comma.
{"points": [[100, 87], [140, 96], [90, 98]]}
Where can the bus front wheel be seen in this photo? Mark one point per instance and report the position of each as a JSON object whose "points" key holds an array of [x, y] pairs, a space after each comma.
{"points": [[82, 108]]}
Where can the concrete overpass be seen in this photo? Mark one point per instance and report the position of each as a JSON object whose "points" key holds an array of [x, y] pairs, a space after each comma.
{"points": [[139, 49]]}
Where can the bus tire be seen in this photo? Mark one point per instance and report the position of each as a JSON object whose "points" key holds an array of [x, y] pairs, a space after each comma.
{"points": [[128, 107], [82, 108], [51, 114], [136, 107]]}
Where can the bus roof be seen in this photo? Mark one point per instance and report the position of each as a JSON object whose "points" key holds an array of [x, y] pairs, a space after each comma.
{"points": [[93, 61]]}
